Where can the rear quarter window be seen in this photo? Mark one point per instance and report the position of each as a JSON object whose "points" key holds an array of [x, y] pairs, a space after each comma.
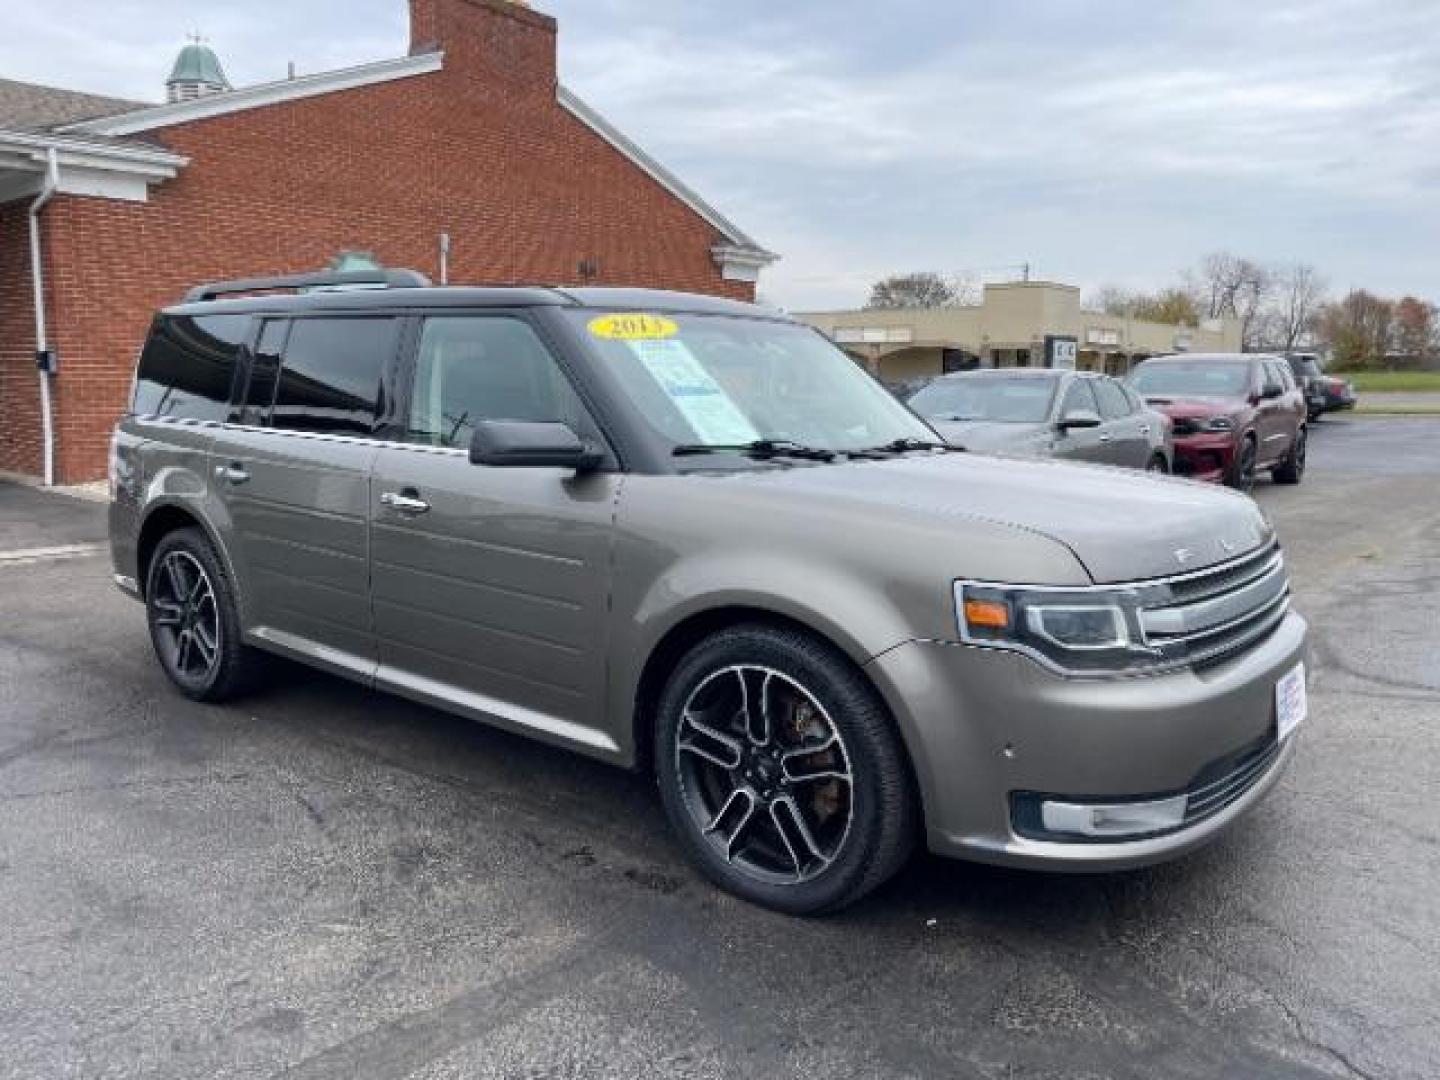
{"points": [[187, 367]]}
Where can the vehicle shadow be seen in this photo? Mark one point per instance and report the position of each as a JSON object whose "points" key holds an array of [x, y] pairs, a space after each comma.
{"points": [[591, 812]]}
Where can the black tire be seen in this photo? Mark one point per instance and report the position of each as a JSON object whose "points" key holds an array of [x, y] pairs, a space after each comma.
{"points": [[196, 673], [1242, 471], [806, 688], [1158, 464], [1292, 469]]}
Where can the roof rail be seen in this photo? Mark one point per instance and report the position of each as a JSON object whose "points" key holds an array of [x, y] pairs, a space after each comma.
{"points": [[389, 279]]}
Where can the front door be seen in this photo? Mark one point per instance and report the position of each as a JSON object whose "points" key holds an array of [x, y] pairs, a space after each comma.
{"points": [[490, 584], [1127, 444], [1273, 423], [1081, 443], [292, 474]]}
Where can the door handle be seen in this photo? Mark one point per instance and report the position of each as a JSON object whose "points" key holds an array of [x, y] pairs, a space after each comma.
{"points": [[1144, 429], [233, 473], [404, 503], [1104, 436]]}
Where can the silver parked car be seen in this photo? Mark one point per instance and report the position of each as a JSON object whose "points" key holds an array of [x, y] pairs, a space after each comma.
{"points": [[690, 536], [1042, 412]]}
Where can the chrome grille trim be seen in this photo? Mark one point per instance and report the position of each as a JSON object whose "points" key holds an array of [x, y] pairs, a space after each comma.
{"points": [[1214, 613], [1184, 622]]}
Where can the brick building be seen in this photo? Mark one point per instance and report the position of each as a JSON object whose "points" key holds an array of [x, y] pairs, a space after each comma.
{"points": [[469, 137]]}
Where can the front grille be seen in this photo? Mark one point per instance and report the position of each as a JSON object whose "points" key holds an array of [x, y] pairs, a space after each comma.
{"points": [[1216, 786], [1213, 614]]}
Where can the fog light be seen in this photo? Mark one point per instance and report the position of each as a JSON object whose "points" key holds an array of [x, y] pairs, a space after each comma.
{"points": [[1115, 819]]}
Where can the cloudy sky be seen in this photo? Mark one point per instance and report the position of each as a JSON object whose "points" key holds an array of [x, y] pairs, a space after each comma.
{"points": [[1114, 141]]}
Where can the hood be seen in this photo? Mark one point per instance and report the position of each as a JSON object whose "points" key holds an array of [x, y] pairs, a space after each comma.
{"points": [[985, 435], [1197, 406], [1123, 525]]}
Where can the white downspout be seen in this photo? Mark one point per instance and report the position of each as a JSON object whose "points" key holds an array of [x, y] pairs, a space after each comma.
{"points": [[37, 279]]}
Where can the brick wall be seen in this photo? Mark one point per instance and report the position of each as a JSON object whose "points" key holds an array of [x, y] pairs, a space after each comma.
{"points": [[480, 149], [19, 392]]}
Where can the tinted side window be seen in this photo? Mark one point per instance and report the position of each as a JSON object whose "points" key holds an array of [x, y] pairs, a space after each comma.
{"points": [[264, 373], [188, 366], [1079, 398], [330, 375], [472, 368], [1113, 402]]}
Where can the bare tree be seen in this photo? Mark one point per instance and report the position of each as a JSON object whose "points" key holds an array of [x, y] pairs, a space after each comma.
{"points": [[1298, 296], [924, 289], [1228, 286]]}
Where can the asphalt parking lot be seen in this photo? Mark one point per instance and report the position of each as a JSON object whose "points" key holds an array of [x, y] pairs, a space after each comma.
{"points": [[324, 883]]}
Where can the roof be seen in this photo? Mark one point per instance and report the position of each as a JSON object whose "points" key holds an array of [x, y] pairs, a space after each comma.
{"points": [[1214, 357], [198, 63], [32, 107], [515, 296]]}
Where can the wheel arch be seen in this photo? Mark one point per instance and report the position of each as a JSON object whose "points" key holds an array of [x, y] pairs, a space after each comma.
{"points": [[160, 521], [694, 627]]}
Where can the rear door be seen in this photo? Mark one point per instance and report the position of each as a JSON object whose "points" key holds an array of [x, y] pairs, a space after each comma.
{"points": [[1080, 444], [292, 474], [491, 584]]}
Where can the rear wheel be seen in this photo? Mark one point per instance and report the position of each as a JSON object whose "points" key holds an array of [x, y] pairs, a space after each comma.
{"points": [[1292, 469], [1158, 464], [194, 620], [781, 772], [1242, 472]]}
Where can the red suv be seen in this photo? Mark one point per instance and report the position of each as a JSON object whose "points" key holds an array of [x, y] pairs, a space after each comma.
{"points": [[1234, 414]]}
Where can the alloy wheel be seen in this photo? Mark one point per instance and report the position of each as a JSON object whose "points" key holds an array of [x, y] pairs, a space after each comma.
{"points": [[764, 774], [186, 616], [1246, 471]]}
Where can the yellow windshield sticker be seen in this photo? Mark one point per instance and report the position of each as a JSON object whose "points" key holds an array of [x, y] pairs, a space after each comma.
{"points": [[633, 327]]}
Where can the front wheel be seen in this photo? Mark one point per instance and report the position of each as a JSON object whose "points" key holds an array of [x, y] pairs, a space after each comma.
{"points": [[1242, 472], [1292, 469], [1158, 464], [781, 772]]}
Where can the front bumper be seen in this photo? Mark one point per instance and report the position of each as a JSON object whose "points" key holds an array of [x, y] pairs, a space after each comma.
{"points": [[986, 728], [1204, 457]]}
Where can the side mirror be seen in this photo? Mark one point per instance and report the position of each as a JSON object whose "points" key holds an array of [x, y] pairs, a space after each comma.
{"points": [[1271, 392], [531, 444], [1079, 418]]}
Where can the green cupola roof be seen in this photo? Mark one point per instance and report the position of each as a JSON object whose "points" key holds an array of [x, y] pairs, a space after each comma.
{"points": [[197, 71]]}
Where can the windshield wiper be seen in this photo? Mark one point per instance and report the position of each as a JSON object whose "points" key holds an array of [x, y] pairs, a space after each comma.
{"points": [[758, 448], [909, 442]]}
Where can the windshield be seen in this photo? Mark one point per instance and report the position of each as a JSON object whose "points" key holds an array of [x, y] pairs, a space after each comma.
{"points": [[1023, 399], [1192, 380], [720, 380]]}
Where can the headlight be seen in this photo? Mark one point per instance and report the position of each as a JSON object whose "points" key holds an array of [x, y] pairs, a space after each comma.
{"points": [[1218, 423], [1079, 631]]}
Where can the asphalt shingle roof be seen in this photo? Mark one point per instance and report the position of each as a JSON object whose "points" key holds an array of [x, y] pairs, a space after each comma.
{"points": [[30, 107]]}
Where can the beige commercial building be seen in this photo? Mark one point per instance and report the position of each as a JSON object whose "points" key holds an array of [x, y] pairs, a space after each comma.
{"points": [[1019, 324]]}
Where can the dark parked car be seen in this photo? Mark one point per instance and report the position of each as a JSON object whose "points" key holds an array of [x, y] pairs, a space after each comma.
{"points": [[1040, 412], [1234, 414], [691, 536], [1311, 380], [1339, 393]]}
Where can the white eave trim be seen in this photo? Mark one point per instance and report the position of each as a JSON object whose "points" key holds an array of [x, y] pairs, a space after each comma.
{"points": [[740, 249], [147, 161], [255, 97]]}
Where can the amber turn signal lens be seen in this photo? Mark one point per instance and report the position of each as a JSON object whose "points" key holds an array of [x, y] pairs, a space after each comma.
{"points": [[992, 613]]}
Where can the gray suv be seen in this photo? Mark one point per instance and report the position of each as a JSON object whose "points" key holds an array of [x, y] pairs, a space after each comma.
{"points": [[691, 536]]}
